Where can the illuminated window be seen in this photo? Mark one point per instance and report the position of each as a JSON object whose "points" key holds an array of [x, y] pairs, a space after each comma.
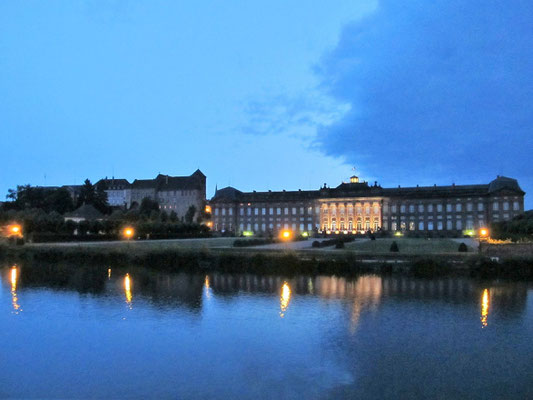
{"points": [[411, 226], [439, 225], [394, 226], [420, 225], [430, 225]]}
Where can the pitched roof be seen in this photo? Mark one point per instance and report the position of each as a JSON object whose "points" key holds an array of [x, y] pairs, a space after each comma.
{"points": [[86, 211], [117, 184]]}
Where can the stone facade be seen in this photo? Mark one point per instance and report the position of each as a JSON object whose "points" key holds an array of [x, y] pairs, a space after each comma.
{"points": [[358, 207], [173, 193]]}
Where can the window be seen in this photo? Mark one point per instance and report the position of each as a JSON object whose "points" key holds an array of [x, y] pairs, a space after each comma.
{"points": [[263, 211], [439, 225], [223, 211], [278, 211], [230, 211], [411, 208], [263, 227], [439, 208], [256, 211], [286, 210], [367, 209], [216, 211], [421, 225], [469, 207], [241, 211], [448, 208], [271, 226], [256, 227], [420, 208], [506, 206], [271, 211], [402, 208], [249, 211], [411, 226], [430, 226], [458, 207], [394, 226], [241, 227], [480, 206], [449, 225], [302, 227], [516, 206], [469, 223], [459, 224], [393, 209], [495, 206], [430, 208], [301, 211]]}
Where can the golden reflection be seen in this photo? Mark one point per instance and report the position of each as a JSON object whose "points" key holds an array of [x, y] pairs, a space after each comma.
{"points": [[485, 305], [285, 298], [206, 285], [127, 289], [109, 273], [14, 297]]}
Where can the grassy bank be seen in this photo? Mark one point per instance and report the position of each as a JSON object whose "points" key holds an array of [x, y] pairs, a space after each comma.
{"points": [[271, 261]]}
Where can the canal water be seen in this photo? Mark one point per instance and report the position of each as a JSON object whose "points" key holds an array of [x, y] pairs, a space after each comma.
{"points": [[99, 332]]}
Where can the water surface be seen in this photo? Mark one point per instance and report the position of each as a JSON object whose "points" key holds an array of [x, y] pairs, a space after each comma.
{"points": [[99, 332]]}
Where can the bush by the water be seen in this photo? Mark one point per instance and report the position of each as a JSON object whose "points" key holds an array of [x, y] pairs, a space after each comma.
{"points": [[462, 248], [394, 247], [339, 245]]}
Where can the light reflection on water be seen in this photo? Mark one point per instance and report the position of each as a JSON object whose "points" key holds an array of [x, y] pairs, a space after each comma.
{"points": [[221, 336]]}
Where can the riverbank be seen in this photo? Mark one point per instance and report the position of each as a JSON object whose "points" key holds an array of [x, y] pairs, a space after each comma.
{"points": [[195, 256]]}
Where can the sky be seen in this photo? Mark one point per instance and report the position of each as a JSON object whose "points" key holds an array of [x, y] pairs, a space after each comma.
{"points": [[267, 95]]}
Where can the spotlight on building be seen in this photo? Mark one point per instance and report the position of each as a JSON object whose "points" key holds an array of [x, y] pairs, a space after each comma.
{"points": [[483, 233]]}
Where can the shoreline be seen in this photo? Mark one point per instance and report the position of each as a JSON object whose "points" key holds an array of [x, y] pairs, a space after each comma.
{"points": [[272, 261]]}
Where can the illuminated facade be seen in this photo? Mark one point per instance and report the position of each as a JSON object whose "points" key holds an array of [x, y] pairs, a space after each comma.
{"points": [[357, 207]]}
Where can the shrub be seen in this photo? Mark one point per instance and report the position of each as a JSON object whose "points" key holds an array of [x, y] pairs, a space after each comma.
{"points": [[315, 244], [462, 248], [394, 247], [339, 245]]}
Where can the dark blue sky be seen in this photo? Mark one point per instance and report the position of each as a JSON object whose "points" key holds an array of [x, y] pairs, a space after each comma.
{"points": [[267, 96]]}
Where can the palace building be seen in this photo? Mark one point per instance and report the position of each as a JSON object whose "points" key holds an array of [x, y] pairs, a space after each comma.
{"points": [[358, 207]]}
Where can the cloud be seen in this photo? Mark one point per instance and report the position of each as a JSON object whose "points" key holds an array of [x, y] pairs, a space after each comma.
{"points": [[439, 90]]}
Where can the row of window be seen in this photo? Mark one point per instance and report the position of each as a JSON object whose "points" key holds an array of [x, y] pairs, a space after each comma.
{"points": [[263, 227], [430, 226], [264, 210], [458, 207]]}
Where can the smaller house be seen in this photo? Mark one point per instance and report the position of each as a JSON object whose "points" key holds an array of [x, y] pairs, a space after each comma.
{"points": [[86, 212]]}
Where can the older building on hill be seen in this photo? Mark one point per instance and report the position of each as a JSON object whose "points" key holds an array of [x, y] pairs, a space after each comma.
{"points": [[173, 193], [359, 207]]}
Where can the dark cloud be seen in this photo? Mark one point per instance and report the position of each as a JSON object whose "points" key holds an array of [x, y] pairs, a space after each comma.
{"points": [[440, 90]]}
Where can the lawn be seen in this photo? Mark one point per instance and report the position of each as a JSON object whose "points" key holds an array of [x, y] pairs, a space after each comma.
{"points": [[407, 246]]}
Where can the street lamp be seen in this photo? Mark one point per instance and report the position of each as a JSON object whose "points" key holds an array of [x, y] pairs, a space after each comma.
{"points": [[128, 233], [483, 233]]}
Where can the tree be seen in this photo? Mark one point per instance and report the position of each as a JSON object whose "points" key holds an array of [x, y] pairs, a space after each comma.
{"points": [[147, 206], [96, 196], [173, 216], [189, 215]]}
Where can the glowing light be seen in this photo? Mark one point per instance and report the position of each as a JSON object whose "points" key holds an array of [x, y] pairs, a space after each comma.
{"points": [[483, 232], [328, 232], [208, 209], [398, 234], [127, 289], [207, 287], [469, 232], [485, 305], [14, 297], [345, 232], [14, 230], [209, 224], [284, 298], [247, 233], [305, 234], [354, 232], [128, 232], [286, 234], [337, 232], [109, 273]]}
